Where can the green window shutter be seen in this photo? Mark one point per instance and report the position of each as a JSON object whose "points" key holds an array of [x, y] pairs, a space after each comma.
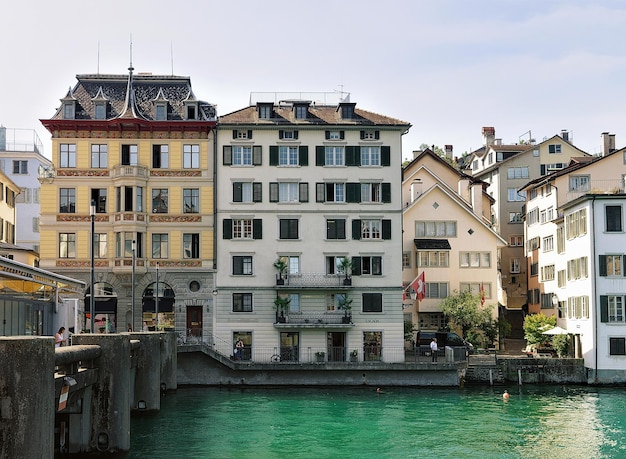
{"points": [[356, 266], [304, 192], [257, 192], [237, 192], [237, 265], [257, 228], [234, 134], [604, 308], [273, 155], [274, 192], [281, 134], [386, 229], [341, 229], [320, 155], [342, 135], [353, 192], [295, 135], [227, 155], [156, 156], [319, 192], [353, 156], [602, 265], [385, 155], [377, 135], [356, 229], [386, 192], [361, 135], [327, 134], [249, 133], [257, 155], [303, 155], [227, 229], [623, 265]]}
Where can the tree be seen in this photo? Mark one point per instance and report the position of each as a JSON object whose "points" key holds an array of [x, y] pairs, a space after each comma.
{"points": [[462, 310], [535, 325], [409, 328]]}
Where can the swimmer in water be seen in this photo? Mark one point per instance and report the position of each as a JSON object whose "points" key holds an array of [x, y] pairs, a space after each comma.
{"points": [[505, 396]]}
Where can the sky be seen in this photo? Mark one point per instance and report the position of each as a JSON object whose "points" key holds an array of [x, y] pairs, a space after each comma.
{"points": [[529, 68]]}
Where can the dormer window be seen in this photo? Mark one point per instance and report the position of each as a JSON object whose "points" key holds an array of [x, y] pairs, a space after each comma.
{"points": [[301, 111], [68, 111], [161, 112], [192, 111], [265, 111], [347, 111], [100, 111]]}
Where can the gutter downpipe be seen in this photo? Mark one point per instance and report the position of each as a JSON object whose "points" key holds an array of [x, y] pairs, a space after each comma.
{"points": [[593, 290]]}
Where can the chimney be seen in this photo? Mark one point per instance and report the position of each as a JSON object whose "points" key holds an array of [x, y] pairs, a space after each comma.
{"points": [[448, 150], [489, 134], [565, 135], [608, 143], [477, 198], [498, 142]]}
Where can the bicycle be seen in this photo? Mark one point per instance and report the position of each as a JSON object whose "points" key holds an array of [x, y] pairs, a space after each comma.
{"points": [[286, 355]]}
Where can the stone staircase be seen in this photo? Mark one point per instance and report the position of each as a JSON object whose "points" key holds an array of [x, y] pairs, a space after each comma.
{"points": [[483, 369]]}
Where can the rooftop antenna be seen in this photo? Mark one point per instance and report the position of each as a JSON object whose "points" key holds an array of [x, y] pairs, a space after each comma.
{"points": [[98, 58], [131, 54], [172, 57]]}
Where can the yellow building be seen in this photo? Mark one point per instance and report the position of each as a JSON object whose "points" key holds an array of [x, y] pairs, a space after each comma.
{"points": [[133, 159]]}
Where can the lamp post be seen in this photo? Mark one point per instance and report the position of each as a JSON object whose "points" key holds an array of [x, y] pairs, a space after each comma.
{"points": [[132, 287], [92, 213], [156, 301]]}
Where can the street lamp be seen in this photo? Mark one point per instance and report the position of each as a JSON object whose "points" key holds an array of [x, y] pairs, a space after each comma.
{"points": [[132, 288], [156, 301], [92, 213]]}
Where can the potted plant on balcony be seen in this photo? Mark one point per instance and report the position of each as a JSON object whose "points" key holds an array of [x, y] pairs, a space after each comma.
{"points": [[344, 267], [281, 266], [320, 356], [281, 304], [345, 303], [354, 355]]}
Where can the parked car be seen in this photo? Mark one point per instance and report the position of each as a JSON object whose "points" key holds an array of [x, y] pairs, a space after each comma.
{"points": [[443, 339]]}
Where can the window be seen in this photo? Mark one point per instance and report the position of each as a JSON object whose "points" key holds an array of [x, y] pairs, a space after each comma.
{"points": [[160, 245], [292, 262], [534, 269], [436, 229], [611, 265], [370, 265], [435, 259], [99, 159], [139, 197], [334, 135], [515, 196], [560, 240], [334, 156], [242, 265], [532, 216], [577, 268], [561, 278], [554, 149], [287, 135], [335, 228], [369, 135], [68, 111], [67, 200], [160, 156], [370, 156], [576, 224], [515, 217], [191, 245], [347, 111], [547, 273], [515, 266], [129, 155], [191, 200], [548, 244], [475, 259], [301, 112], [159, 200], [242, 155], [265, 112], [611, 308], [372, 302], [517, 172], [100, 110], [335, 192], [161, 112], [333, 264], [242, 302], [289, 192], [124, 244], [371, 229], [67, 245], [288, 228], [20, 167], [371, 192], [100, 245], [406, 260], [247, 192], [67, 155], [617, 346], [191, 156], [516, 240], [287, 156], [436, 289], [613, 219], [99, 197], [579, 183], [242, 228]]}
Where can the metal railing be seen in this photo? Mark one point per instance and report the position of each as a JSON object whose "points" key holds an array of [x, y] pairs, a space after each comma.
{"points": [[303, 318], [315, 280]]}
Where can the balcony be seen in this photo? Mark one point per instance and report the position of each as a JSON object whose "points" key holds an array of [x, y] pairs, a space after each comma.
{"points": [[120, 170], [615, 186], [334, 319], [315, 280]]}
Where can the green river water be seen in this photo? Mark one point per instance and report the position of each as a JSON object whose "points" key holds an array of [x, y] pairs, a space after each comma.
{"points": [[474, 422]]}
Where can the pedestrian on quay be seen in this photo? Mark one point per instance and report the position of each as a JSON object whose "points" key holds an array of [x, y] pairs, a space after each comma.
{"points": [[434, 349], [239, 349], [59, 338]]}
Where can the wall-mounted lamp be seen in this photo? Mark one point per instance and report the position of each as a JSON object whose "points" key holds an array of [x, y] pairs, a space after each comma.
{"points": [[214, 292]]}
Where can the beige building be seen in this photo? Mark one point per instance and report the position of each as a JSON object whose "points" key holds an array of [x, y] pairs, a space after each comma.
{"points": [[506, 168], [132, 155], [312, 184], [448, 236], [8, 195]]}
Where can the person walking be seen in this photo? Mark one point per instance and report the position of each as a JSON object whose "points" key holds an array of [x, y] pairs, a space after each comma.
{"points": [[434, 349], [59, 338]]}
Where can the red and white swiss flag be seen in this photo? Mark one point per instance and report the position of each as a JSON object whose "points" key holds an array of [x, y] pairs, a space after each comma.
{"points": [[419, 285]]}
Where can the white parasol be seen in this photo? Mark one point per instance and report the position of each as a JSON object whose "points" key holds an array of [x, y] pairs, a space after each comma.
{"points": [[556, 331]]}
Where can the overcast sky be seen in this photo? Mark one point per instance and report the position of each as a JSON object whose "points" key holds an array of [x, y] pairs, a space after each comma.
{"points": [[446, 67]]}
